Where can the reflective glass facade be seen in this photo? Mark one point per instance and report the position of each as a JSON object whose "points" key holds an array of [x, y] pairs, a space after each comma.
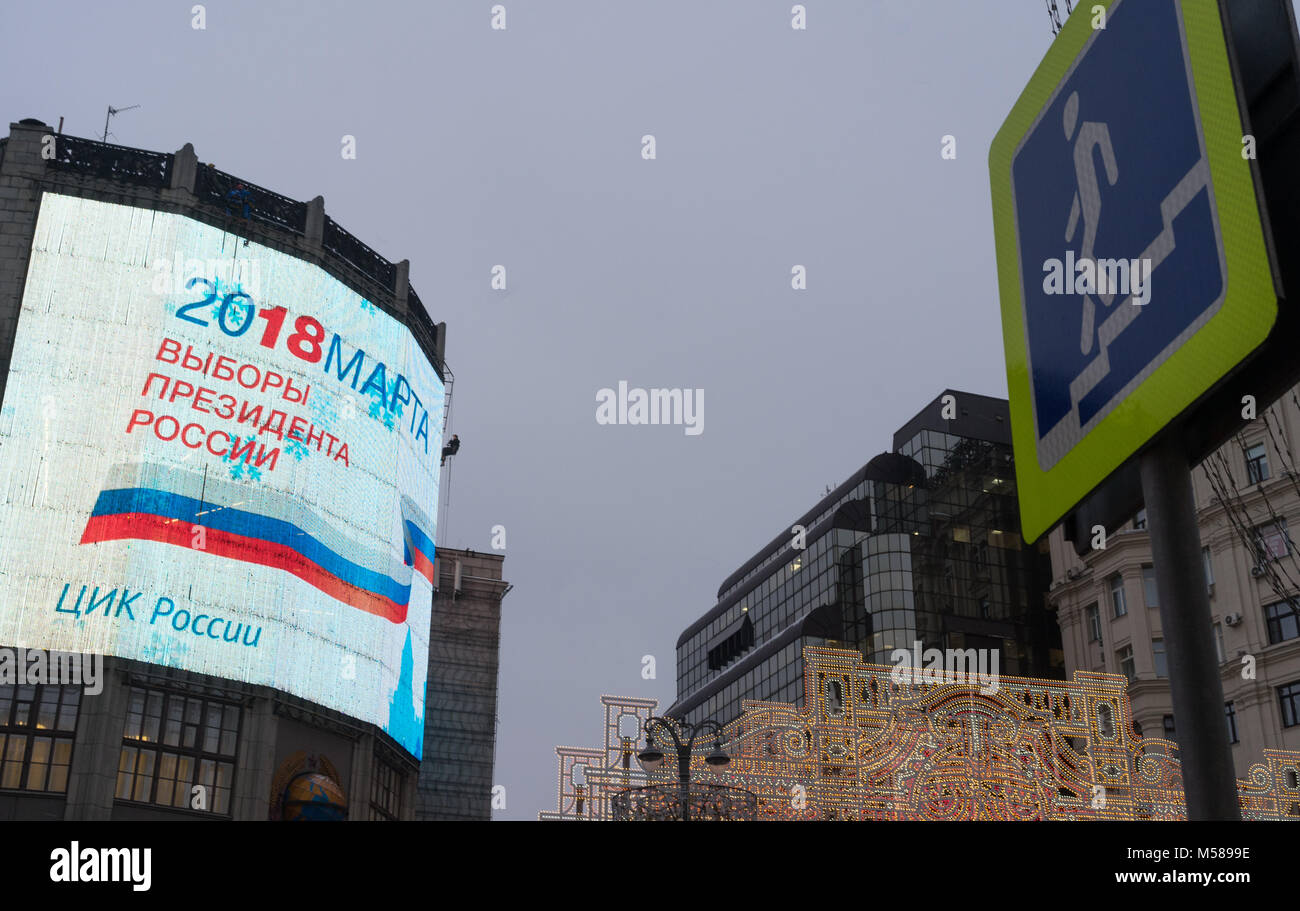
{"points": [[921, 545]]}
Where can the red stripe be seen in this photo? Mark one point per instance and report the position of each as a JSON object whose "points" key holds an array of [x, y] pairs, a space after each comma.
{"points": [[423, 565], [248, 550]]}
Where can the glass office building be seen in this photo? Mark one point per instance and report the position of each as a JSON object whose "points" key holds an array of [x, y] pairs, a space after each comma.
{"points": [[921, 545]]}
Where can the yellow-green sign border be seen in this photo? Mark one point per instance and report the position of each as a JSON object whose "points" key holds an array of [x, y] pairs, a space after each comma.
{"points": [[1243, 321]]}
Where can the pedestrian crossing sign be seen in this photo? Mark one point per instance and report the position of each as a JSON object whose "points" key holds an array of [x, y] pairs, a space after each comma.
{"points": [[1133, 269]]}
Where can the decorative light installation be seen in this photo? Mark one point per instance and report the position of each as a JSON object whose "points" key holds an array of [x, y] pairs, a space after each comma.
{"points": [[931, 749]]}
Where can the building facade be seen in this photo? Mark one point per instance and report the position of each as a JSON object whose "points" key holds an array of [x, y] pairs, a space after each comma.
{"points": [[919, 549], [151, 743], [1247, 498], [145, 740], [460, 720]]}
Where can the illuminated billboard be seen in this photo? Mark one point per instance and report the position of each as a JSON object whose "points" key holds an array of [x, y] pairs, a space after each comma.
{"points": [[217, 457]]}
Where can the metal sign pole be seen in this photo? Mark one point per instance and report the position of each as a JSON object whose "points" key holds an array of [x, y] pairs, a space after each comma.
{"points": [[1209, 778]]}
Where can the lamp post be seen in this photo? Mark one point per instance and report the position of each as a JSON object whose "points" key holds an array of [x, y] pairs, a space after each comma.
{"points": [[651, 757]]}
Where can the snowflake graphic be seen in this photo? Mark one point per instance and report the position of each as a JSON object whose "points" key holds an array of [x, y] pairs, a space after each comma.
{"points": [[238, 468], [217, 292], [297, 449], [238, 309], [325, 409], [164, 649], [367, 306], [171, 306], [392, 397], [388, 416]]}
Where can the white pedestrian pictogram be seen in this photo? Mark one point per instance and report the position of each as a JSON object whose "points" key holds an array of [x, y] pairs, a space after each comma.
{"points": [[1087, 199]]}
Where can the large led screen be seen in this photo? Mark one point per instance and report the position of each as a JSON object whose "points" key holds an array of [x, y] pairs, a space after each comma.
{"points": [[215, 456]]}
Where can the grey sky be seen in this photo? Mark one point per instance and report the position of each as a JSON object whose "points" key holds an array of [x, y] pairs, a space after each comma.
{"points": [[477, 147]]}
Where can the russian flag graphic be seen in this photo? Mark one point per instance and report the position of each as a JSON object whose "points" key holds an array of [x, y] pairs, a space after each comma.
{"points": [[276, 531], [417, 548]]}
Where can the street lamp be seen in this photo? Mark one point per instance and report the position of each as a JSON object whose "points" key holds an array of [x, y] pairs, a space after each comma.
{"points": [[652, 756]]}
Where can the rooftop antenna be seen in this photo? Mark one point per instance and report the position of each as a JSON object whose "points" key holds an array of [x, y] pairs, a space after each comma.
{"points": [[111, 111]]}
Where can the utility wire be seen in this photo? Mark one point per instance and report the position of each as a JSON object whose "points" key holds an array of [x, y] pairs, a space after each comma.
{"points": [[1278, 522], [1054, 13], [1283, 448], [1239, 517]]}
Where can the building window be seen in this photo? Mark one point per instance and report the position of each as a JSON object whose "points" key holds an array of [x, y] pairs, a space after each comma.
{"points": [[1149, 590], [1117, 595], [731, 641], [1289, 697], [37, 726], [1283, 619], [1230, 711], [1218, 642], [1094, 621], [1272, 541], [1140, 520], [1158, 652], [1256, 464], [1168, 722], [1209, 567], [385, 792], [178, 751], [1124, 657]]}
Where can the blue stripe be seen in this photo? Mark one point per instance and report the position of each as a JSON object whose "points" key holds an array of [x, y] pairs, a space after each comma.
{"points": [[423, 543], [253, 526]]}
